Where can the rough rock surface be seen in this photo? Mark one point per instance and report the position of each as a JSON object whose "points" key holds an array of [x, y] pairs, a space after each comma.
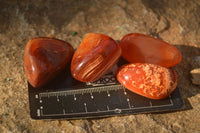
{"points": [[195, 76], [195, 70], [196, 62], [177, 22]]}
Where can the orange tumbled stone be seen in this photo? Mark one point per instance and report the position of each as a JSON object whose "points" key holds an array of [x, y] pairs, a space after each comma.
{"points": [[94, 57], [44, 58], [149, 80], [139, 48]]}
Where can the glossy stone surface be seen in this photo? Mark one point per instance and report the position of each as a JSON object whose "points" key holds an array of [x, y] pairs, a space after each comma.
{"points": [[139, 48], [149, 80], [96, 54], [44, 58]]}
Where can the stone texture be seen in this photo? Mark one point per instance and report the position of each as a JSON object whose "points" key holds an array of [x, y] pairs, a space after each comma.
{"points": [[45, 58], [94, 57], [174, 21], [149, 80], [196, 62], [195, 76], [140, 48]]}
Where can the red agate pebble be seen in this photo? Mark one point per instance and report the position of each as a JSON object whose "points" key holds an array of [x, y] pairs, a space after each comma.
{"points": [[149, 80], [44, 58], [139, 48], [94, 57]]}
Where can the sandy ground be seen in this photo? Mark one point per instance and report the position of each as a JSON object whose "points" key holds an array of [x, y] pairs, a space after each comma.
{"points": [[177, 22]]}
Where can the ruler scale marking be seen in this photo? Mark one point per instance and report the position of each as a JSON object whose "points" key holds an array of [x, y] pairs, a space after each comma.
{"points": [[117, 110], [80, 91], [66, 98]]}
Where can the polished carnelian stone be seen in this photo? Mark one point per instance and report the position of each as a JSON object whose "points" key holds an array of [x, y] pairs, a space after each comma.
{"points": [[44, 58], [139, 48], [96, 54], [149, 80]]}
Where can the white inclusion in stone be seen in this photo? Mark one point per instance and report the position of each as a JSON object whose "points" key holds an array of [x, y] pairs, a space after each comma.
{"points": [[126, 77], [33, 68]]}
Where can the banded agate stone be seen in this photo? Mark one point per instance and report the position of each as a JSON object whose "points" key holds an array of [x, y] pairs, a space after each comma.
{"points": [[94, 57]]}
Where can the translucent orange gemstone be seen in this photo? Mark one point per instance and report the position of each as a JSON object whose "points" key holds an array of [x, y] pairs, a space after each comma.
{"points": [[149, 80], [94, 57], [44, 58], [139, 48]]}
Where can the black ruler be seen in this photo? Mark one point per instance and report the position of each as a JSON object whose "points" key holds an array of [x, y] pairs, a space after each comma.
{"points": [[67, 98]]}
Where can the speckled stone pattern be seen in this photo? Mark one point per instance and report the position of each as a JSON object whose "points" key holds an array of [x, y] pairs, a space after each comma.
{"points": [[149, 80]]}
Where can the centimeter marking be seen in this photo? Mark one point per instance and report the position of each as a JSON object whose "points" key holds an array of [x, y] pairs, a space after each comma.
{"points": [[91, 90], [81, 91]]}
